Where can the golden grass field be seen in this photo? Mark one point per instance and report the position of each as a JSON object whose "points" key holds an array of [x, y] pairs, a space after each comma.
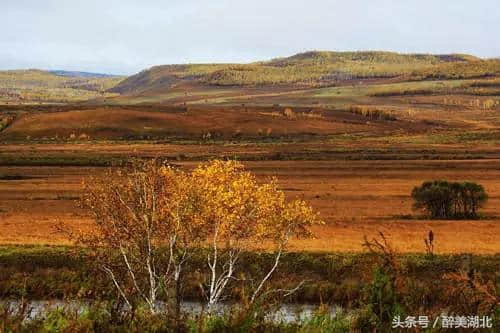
{"points": [[356, 171], [355, 198]]}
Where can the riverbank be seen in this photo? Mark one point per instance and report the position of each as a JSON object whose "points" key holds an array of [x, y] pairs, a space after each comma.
{"points": [[369, 291], [44, 272]]}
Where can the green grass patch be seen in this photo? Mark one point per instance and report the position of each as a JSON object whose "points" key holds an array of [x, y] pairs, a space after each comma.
{"points": [[337, 278]]}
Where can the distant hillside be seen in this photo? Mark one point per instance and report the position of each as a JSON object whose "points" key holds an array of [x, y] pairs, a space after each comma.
{"points": [[328, 57], [315, 68], [81, 74], [23, 86]]}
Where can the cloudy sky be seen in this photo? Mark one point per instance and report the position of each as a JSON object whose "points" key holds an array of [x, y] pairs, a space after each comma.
{"points": [[126, 36]]}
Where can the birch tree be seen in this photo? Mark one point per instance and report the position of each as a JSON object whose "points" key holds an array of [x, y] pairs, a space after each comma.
{"points": [[145, 223], [150, 219], [239, 213]]}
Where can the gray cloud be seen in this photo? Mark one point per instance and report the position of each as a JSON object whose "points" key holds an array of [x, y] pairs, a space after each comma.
{"points": [[126, 36]]}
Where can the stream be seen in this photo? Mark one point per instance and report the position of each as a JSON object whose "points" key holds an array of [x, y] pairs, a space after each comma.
{"points": [[286, 313]]}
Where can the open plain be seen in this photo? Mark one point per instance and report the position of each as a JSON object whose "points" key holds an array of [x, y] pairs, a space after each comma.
{"points": [[355, 198], [158, 174]]}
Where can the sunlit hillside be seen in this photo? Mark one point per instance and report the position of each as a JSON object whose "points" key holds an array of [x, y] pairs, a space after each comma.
{"points": [[37, 86], [312, 69]]}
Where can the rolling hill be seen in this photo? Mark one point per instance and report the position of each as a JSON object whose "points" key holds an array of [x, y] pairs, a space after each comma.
{"points": [[310, 69], [38, 86], [308, 95]]}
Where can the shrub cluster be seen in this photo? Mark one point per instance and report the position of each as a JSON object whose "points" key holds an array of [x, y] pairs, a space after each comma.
{"points": [[443, 199], [371, 113]]}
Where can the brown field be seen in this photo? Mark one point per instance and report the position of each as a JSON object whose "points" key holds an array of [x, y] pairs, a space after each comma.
{"points": [[355, 198], [195, 123]]}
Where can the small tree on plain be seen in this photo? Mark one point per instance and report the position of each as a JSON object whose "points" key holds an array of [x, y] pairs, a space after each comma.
{"points": [[145, 223], [150, 218], [441, 199], [239, 213]]}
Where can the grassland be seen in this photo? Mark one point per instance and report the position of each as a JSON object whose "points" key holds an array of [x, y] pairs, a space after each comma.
{"points": [[321, 140], [351, 133], [259, 115], [356, 198], [194, 123], [338, 278]]}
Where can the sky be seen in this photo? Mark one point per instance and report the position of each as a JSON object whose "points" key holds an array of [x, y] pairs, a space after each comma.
{"points": [[127, 36]]}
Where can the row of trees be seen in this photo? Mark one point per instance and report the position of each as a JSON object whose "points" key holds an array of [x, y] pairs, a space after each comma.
{"points": [[151, 219], [443, 199]]}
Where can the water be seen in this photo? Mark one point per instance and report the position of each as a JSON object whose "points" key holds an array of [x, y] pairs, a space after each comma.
{"points": [[286, 313]]}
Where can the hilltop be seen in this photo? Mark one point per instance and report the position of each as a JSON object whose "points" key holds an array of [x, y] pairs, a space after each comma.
{"points": [[310, 69], [81, 74]]}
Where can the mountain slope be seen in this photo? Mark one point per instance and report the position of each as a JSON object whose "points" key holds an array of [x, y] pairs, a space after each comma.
{"points": [[315, 68], [25, 86]]}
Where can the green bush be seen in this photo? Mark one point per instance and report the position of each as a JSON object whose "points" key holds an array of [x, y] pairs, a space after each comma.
{"points": [[382, 296], [443, 199]]}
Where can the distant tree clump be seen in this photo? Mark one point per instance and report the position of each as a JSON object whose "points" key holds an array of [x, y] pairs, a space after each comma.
{"points": [[441, 199], [372, 113]]}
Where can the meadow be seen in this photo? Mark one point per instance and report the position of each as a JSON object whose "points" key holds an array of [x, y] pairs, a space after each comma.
{"points": [[356, 199], [350, 133]]}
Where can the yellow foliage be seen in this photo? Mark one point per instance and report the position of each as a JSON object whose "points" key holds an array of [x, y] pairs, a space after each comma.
{"points": [[238, 208], [218, 199]]}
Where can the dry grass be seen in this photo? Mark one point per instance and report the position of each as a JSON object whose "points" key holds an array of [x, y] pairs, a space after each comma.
{"points": [[105, 123], [355, 198]]}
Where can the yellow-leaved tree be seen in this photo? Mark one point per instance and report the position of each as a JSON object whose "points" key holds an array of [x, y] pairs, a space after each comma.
{"points": [[146, 220], [150, 218], [239, 212]]}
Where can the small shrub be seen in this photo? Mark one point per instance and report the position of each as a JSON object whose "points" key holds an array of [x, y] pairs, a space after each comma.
{"points": [[468, 292], [6, 121], [365, 320], [384, 293]]}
